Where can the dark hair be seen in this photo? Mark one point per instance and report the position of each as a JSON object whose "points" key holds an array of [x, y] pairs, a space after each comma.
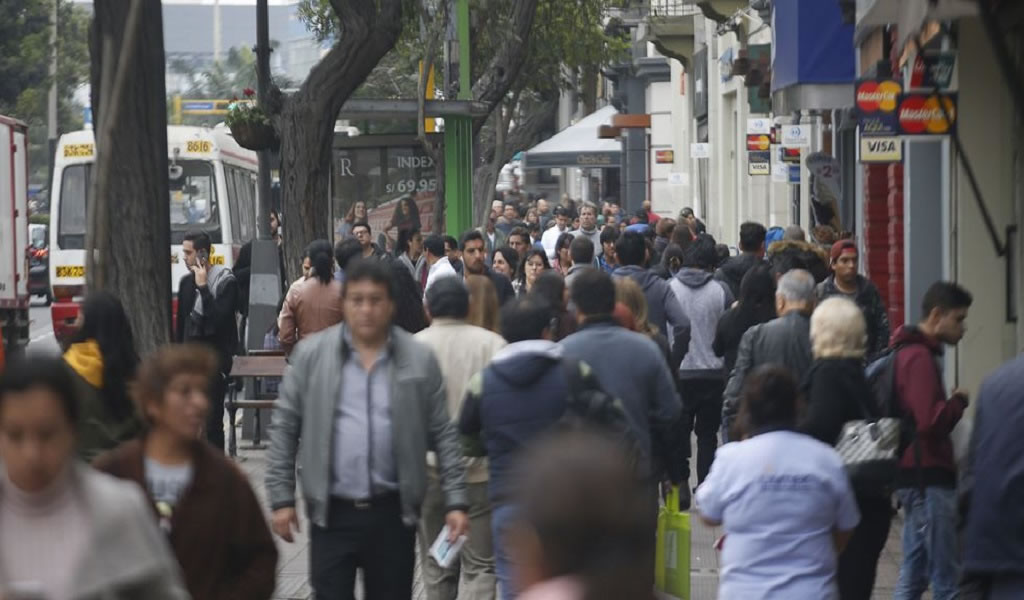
{"points": [[682, 236], [752, 236], [50, 372], [609, 235], [784, 262], [770, 398], [593, 293], [526, 258], [408, 298], [451, 242], [200, 240], [525, 318], [565, 240], [945, 296], [162, 366], [631, 249], [581, 250], [511, 257], [345, 251], [362, 224], [723, 254], [104, 320], [404, 240], [665, 227], [521, 232], [686, 212], [757, 297], [471, 235], [550, 286], [434, 244], [374, 271], [672, 257], [701, 254], [448, 297], [319, 252]]}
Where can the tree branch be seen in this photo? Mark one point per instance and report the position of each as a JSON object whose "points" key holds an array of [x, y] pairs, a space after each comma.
{"points": [[504, 68]]}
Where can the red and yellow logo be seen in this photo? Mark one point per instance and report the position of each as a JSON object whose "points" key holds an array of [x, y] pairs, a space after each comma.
{"points": [[873, 96], [923, 114]]}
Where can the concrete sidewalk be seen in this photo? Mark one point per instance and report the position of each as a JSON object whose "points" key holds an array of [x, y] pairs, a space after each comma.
{"points": [[293, 584]]}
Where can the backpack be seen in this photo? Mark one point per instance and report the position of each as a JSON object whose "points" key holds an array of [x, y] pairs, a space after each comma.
{"points": [[881, 376]]}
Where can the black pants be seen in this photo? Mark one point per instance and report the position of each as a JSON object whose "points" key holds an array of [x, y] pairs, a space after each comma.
{"points": [[702, 404], [373, 539], [858, 564], [215, 418]]}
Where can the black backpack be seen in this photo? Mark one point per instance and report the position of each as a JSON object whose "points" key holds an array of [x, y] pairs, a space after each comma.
{"points": [[881, 376]]}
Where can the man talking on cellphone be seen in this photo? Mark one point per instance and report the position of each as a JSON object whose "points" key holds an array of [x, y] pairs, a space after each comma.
{"points": [[207, 298]]}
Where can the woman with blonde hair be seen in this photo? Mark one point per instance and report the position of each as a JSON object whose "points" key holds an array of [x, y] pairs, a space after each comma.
{"points": [[837, 392], [484, 310]]}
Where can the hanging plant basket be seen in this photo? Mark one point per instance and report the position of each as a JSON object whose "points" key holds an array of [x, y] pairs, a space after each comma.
{"points": [[255, 136]]}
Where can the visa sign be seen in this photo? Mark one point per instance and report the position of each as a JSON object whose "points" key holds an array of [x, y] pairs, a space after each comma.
{"points": [[881, 149]]}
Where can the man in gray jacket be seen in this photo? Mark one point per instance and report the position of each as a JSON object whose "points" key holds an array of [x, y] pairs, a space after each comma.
{"points": [[358, 409], [785, 340]]}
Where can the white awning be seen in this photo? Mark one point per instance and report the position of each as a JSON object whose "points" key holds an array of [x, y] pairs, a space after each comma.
{"points": [[911, 15], [578, 146]]}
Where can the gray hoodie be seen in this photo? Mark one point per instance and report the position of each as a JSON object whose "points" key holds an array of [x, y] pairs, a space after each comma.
{"points": [[704, 300]]}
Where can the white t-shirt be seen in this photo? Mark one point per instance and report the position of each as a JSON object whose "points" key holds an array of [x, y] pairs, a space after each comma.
{"points": [[442, 268], [550, 238], [779, 496]]}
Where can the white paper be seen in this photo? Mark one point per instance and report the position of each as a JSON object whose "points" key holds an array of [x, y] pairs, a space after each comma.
{"points": [[444, 552]]}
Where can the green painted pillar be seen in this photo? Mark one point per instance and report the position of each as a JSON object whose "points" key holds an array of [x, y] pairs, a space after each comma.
{"points": [[458, 140]]}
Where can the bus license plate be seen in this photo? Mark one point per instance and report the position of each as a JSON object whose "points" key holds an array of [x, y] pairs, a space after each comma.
{"points": [[75, 271]]}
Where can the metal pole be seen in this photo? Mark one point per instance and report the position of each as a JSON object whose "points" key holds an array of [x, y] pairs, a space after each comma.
{"points": [[216, 31], [51, 117], [262, 89], [458, 138]]}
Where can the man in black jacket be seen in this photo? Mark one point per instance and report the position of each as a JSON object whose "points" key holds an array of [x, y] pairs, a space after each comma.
{"points": [[473, 264], [752, 236], [845, 281], [207, 299]]}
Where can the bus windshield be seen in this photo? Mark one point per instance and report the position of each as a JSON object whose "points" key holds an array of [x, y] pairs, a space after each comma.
{"points": [[193, 202]]}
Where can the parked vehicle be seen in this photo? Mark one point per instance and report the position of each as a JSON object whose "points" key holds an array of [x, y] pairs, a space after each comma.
{"points": [[39, 262], [14, 240]]}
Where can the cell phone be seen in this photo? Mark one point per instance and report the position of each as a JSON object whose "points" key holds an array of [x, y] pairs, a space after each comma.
{"points": [[204, 258]]}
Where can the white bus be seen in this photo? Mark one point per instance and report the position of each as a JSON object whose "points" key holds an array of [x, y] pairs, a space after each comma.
{"points": [[213, 189]]}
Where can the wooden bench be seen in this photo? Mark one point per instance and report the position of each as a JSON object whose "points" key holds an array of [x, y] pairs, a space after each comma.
{"points": [[257, 365]]}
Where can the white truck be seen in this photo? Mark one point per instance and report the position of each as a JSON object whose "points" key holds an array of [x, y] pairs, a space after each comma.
{"points": [[14, 242]]}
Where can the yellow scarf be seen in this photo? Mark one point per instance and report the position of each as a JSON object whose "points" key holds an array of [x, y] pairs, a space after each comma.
{"points": [[85, 358]]}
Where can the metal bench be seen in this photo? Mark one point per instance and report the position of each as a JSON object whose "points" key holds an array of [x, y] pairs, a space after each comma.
{"points": [[257, 365]]}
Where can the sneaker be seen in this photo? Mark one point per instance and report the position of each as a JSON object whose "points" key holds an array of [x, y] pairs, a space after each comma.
{"points": [[685, 499]]}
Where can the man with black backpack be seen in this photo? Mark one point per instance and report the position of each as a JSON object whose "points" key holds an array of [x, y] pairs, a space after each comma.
{"points": [[529, 388], [926, 482]]}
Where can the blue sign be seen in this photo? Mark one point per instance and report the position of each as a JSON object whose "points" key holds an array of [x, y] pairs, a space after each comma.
{"points": [[198, 106], [794, 174]]}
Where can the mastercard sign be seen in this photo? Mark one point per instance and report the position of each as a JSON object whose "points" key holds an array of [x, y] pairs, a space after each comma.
{"points": [[877, 100], [927, 114]]}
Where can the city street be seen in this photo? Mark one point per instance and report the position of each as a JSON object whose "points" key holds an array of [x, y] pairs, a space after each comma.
{"points": [[41, 337]]}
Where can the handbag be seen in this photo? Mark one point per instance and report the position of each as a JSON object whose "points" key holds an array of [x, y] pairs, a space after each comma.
{"points": [[672, 554], [870, 450]]}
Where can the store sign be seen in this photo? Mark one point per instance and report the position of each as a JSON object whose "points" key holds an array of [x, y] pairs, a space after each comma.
{"points": [[932, 70], [922, 114], [881, 149], [762, 125], [798, 136], [759, 163], [789, 155], [876, 106], [664, 156], [758, 143], [700, 150]]}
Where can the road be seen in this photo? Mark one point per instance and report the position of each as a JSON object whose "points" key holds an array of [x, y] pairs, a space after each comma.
{"points": [[40, 332]]}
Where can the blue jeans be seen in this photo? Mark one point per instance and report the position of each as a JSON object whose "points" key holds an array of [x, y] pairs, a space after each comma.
{"points": [[502, 517], [930, 551]]}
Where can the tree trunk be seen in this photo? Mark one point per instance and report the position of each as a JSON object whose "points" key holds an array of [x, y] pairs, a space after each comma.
{"points": [[368, 31], [133, 232]]}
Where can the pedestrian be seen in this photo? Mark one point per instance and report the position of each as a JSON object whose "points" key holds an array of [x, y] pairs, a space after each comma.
{"points": [[663, 308], [752, 251], [553, 234], [563, 257], [406, 216], [493, 237], [367, 401], [200, 499], [505, 260], [588, 227], [68, 530], [652, 217], [795, 233], [361, 230], [581, 258], [451, 248], [532, 218], [786, 255], [535, 236], [207, 298], [409, 314], [484, 310], [544, 215], [552, 287], [691, 222], [580, 532], [344, 252], [846, 282], [837, 392], [756, 305], [509, 219], [534, 263], [519, 240], [409, 250], [313, 305], [519, 396], [437, 261], [785, 340], [663, 231], [461, 350], [993, 549], [473, 258], [608, 261], [926, 483], [782, 499], [103, 361], [703, 300], [356, 213]]}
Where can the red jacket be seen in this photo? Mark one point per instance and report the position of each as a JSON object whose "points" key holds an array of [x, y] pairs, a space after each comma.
{"points": [[922, 394]]}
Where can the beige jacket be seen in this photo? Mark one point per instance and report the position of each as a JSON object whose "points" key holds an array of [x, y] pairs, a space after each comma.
{"points": [[309, 307], [462, 350]]}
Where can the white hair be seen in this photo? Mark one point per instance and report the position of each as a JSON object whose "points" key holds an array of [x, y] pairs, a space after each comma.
{"points": [[796, 285], [838, 329]]}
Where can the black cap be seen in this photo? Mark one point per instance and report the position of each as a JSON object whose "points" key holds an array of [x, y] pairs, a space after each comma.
{"points": [[560, 211]]}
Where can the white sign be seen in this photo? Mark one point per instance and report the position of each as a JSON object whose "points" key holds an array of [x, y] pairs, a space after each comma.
{"points": [[678, 178], [796, 136], [881, 149], [700, 150], [780, 172], [761, 126]]}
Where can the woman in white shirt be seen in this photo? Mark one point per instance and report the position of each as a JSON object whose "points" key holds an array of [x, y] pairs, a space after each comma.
{"points": [[782, 498]]}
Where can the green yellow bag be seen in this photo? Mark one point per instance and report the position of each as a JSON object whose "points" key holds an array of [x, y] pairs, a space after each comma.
{"points": [[672, 556]]}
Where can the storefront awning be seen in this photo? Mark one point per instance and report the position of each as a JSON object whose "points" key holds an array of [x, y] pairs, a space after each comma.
{"points": [[812, 56], [578, 146]]}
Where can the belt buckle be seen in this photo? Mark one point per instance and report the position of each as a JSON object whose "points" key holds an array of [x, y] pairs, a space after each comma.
{"points": [[362, 504]]}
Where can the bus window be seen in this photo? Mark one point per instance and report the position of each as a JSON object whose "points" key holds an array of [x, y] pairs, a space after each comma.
{"points": [[193, 197], [75, 187], [233, 212]]}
